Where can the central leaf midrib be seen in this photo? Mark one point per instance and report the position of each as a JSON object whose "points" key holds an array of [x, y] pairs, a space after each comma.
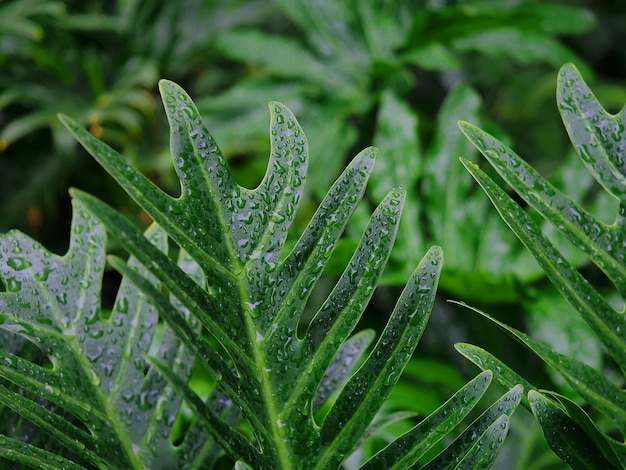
{"points": [[260, 364]]}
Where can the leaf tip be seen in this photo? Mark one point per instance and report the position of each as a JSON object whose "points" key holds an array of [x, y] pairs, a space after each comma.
{"points": [[464, 125], [371, 152], [68, 122], [436, 252], [166, 86]]}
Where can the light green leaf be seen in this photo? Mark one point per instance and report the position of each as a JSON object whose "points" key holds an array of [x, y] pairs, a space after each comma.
{"points": [[283, 57], [396, 132], [108, 409], [446, 185], [333, 30], [400, 165]]}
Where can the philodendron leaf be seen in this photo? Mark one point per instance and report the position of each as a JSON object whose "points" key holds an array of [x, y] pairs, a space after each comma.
{"points": [[98, 397], [611, 449], [504, 375], [479, 444], [254, 293], [603, 319], [344, 362]]}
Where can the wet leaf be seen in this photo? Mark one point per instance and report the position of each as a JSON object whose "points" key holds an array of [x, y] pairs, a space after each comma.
{"points": [[564, 436], [255, 292], [408, 448], [587, 381], [479, 444], [98, 398], [599, 140]]}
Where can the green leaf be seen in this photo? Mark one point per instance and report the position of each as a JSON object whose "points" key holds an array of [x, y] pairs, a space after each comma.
{"points": [[333, 33], [106, 407], [606, 444], [463, 20], [479, 444], [592, 236], [492, 439], [588, 382], [367, 389], [564, 436], [27, 454], [597, 137], [253, 293], [282, 57], [344, 362], [401, 165], [523, 46], [505, 376], [552, 321], [481, 262]]}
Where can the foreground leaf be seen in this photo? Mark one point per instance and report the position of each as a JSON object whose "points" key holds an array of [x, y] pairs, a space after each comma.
{"points": [[254, 293]]}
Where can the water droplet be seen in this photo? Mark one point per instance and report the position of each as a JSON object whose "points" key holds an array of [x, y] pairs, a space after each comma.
{"points": [[390, 379], [18, 263], [277, 218], [43, 275], [122, 305], [52, 390], [188, 111], [490, 153]]}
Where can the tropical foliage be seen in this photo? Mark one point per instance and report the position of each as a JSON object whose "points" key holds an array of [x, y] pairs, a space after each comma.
{"points": [[395, 75]]}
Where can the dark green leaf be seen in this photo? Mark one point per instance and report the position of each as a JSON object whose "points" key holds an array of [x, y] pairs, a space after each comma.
{"points": [[565, 437]]}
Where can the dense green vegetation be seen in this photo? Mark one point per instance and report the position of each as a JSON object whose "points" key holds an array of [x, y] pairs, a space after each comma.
{"points": [[396, 75]]}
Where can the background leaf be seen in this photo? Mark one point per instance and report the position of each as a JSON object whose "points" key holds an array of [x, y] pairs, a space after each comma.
{"points": [[96, 394]]}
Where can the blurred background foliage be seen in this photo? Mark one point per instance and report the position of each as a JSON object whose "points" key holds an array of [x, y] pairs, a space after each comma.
{"points": [[395, 74]]}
